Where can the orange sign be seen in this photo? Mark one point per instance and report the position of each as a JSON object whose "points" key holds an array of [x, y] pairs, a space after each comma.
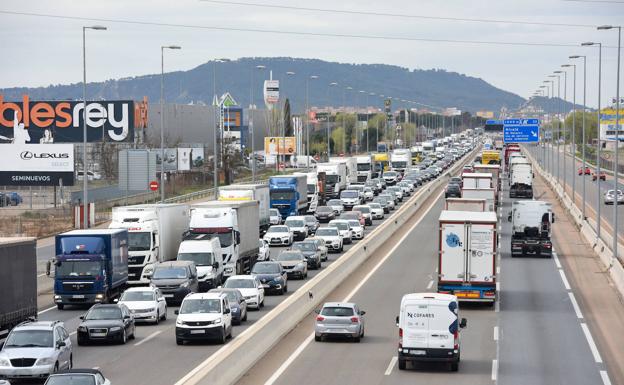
{"points": [[277, 145]]}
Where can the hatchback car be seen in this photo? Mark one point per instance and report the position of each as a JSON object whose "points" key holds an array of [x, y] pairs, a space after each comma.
{"points": [[312, 223], [175, 279], [587, 171], [602, 176], [354, 214], [610, 197], [320, 246], [325, 214], [369, 194], [376, 210], [356, 229], [332, 238], [279, 235], [35, 349], [452, 191], [297, 225], [145, 303], [294, 263], [250, 287], [367, 213], [237, 302], [390, 199], [336, 205], [204, 316], [264, 252], [275, 218], [391, 177], [337, 319], [272, 276], [383, 203], [77, 377], [106, 323], [310, 252]]}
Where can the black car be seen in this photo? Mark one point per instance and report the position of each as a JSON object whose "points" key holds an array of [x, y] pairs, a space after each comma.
{"points": [[456, 180], [312, 223], [452, 191], [238, 305], [176, 279], [324, 214], [106, 323], [310, 251], [272, 276]]}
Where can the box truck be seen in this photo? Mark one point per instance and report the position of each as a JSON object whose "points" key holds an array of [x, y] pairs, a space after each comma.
{"points": [[465, 204], [521, 181], [489, 194], [289, 194], [531, 228], [205, 251], [90, 266], [476, 180], [467, 255], [400, 159], [246, 192], [351, 168], [154, 234], [236, 224], [18, 280], [335, 178], [364, 168], [493, 169], [316, 184]]}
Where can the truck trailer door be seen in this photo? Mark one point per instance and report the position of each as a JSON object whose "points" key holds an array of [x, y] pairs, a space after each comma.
{"points": [[481, 258]]}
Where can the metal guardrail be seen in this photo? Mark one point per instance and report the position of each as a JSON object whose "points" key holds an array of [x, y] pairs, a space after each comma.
{"points": [[207, 192]]}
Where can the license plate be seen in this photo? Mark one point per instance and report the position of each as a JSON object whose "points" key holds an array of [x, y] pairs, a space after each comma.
{"points": [[78, 296], [168, 295], [198, 331], [418, 352], [468, 294], [266, 286], [98, 334], [131, 275]]}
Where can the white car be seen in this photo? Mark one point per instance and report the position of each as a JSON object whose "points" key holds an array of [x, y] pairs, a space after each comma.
{"points": [[204, 316], [408, 186], [331, 237], [350, 198], [391, 199], [343, 228], [369, 194], [356, 228], [264, 253], [336, 205], [376, 210], [146, 303], [250, 287], [298, 226], [397, 191], [278, 235], [275, 218]]}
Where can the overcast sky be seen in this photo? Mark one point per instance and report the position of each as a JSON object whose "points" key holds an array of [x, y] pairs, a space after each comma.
{"points": [[39, 51]]}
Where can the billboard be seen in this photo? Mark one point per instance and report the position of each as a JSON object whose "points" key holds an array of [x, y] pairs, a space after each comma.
{"points": [[36, 164], [608, 126], [277, 145], [197, 157], [184, 159], [137, 168], [271, 92], [171, 159], [61, 121]]}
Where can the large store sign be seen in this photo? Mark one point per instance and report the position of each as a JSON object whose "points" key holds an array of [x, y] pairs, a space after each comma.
{"points": [[36, 164], [61, 121]]}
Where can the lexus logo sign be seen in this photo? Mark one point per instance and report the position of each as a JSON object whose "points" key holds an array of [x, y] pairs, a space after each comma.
{"points": [[43, 155], [36, 164]]}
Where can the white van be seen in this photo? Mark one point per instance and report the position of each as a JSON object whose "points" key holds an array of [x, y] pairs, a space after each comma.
{"points": [[206, 252], [429, 329]]}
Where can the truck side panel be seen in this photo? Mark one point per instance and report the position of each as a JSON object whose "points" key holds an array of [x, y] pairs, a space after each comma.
{"points": [[173, 221], [18, 281], [118, 244]]}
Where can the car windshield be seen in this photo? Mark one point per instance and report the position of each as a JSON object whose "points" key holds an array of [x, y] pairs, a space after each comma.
{"points": [[324, 209], [349, 194], [362, 209], [277, 229], [335, 311], [266, 268], [139, 241], [294, 223], [239, 283], [231, 295], [78, 269], [289, 257], [375, 205], [71, 379], [104, 313], [340, 225], [200, 305], [274, 213], [30, 339], [390, 173], [200, 259], [327, 232], [304, 246], [129, 296], [169, 273], [311, 188], [310, 220], [354, 223], [331, 178]]}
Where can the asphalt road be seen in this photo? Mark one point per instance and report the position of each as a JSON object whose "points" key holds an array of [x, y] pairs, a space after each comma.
{"points": [[532, 335]]}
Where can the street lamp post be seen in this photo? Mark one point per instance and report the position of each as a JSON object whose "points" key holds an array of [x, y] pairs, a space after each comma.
{"points": [[558, 76], [217, 126], [544, 157], [308, 119], [376, 131], [328, 115], [162, 118], [573, 141], [85, 177], [551, 95], [288, 73], [366, 108], [251, 125], [563, 113], [583, 124]]}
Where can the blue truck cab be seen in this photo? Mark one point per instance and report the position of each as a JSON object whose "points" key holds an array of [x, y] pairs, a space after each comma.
{"points": [[289, 194], [90, 266]]}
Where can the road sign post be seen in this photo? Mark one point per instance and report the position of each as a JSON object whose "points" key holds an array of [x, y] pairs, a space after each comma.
{"points": [[521, 130], [153, 185]]}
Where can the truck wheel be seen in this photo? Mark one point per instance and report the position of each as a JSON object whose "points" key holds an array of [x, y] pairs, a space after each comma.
{"points": [[60, 306], [402, 364]]}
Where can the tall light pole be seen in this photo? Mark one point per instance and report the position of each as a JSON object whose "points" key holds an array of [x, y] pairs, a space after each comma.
{"points": [[544, 158], [598, 159], [288, 73], [367, 138], [85, 177], [617, 138], [565, 99], [552, 126], [558, 75], [328, 115], [162, 118], [217, 125], [365, 99], [573, 142], [251, 123], [583, 119], [344, 131], [311, 77]]}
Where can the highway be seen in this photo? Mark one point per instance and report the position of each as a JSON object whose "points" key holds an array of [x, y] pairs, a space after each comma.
{"points": [[532, 335]]}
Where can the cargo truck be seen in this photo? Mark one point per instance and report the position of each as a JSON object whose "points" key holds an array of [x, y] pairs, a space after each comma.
{"points": [[18, 281], [400, 159], [316, 189], [521, 181], [465, 204], [154, 235], [236, 224], [90, 266], [364, 168], [351, 168], [467, 255], [490, 157], [476, 180], [531, 228], [246, 192], [493, 169], [335, 178], [289, 194], [489, 194], [509, 150]]}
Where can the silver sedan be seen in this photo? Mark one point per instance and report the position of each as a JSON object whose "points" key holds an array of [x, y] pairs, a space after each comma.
{"points": [[339, 319], [609, 197]]}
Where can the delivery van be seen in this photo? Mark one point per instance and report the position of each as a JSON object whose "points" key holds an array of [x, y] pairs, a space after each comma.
{"points": [[429, 328]]}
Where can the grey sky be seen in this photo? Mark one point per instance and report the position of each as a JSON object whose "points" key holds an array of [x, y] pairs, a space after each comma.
{"points": [[42, 51]]}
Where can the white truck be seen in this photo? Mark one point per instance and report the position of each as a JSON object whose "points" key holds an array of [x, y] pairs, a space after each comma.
{"points": [[531, 228], [493, 169], [465, 204], [205, 251], [315, 193], [236, 224], [335, 177], [400, 159], [467, 255], [489, 194], [248, 192], [154, 234], [428, 148], [521, 181], [476, 180], [351, 168], [364, 168]]}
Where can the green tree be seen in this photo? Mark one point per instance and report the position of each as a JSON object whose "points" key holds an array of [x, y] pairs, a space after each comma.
{"points": [[591, 126]]}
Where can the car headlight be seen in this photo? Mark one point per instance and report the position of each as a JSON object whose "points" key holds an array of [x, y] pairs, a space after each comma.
{"points": [[217, 321], [82, 328], [148, 270], [278, 279], [185, 284], [179, 322], [4, 362], [115, 328], [45, 361], [300, 265]]}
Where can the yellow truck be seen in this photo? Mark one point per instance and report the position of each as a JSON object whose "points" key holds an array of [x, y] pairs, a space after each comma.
{"points": [[381, 162], [490, 157]]}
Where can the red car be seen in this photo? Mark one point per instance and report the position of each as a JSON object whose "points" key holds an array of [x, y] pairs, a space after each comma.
{"points": [[587, 171], [603, 176]]}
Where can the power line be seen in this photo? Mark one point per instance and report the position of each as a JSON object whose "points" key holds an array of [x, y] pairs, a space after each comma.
{"points": [[401, 15], [295, 33], [597, 1]]}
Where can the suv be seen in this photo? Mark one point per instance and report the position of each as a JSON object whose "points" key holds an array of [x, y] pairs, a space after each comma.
{"points": [[35, 349], [175, 279], [204, 316]]}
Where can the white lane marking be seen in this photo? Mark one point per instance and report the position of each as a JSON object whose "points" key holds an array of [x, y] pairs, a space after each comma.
{"points": [[494, 369], [41, 275], [566, 284], [46, 310], [556, 259], [430, 285], [148, 338], [391, 366], [498, 286], [495, 333], [497, 270], [73, 333], [96, 368], [605, 377], [575, 305], [592, 344], [309, 339], [3, 332]]}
